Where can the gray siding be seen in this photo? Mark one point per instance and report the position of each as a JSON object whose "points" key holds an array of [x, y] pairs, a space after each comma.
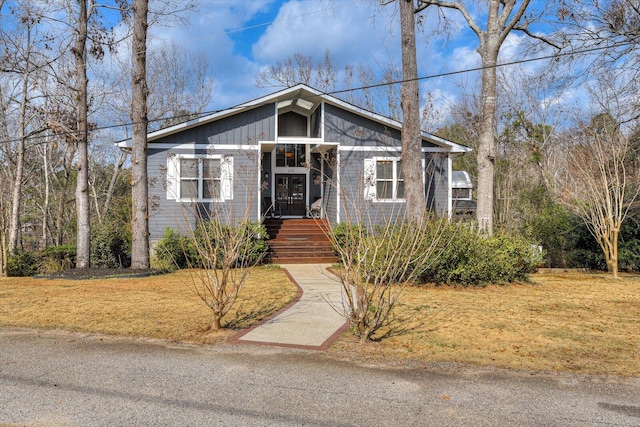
{"points": [[354, 207], [243, 128], [346, 128], [350, 129], [437, 188], [354, 130]]}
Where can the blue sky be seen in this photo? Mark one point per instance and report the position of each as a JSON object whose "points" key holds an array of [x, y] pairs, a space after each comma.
{"points": [[241, 37]]}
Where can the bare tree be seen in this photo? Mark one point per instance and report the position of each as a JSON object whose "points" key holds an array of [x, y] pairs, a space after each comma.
{"points": [[300, 69], [22, 59], [139, 92], [221, 239], [600, 180], [381, 253], [500, 19]]}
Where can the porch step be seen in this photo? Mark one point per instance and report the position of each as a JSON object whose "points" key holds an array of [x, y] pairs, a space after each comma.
{"points": [[299, 241]]}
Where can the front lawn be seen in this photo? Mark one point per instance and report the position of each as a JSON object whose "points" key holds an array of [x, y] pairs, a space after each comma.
{"points": [[567, 321], [579, 322], [151, 307]]}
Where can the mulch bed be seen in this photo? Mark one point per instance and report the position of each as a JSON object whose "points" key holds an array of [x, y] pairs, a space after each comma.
{"points": [[100, 273]]}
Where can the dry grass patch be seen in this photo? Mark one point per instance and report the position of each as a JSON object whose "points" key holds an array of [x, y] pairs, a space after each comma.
{"points": [[577, 322], [153, 307]]}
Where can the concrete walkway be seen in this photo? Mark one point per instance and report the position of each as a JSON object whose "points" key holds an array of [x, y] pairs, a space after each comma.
{"points": [[311, 322]]}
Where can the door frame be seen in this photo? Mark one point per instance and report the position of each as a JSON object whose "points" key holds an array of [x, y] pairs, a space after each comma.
{"points": [[302, 209]]}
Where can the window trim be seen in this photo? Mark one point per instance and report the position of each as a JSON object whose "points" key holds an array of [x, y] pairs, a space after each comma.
{"points": [[371, 181], [225, 179]]}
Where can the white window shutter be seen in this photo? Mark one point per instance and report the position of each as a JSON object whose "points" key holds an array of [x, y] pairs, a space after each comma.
{"points": [[226, 178], [173, 177], [369, 179]]}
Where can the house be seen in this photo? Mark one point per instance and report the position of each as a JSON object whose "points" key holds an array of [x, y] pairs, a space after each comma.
{"points": [[462, 194], [286, 151]]}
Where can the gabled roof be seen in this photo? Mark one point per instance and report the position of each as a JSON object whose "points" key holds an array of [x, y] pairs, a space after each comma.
{"points": [[300, 97]]}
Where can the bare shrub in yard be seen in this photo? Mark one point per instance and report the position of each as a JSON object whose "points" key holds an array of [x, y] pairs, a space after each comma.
{"points": [[222, 244], [224, 254], [377, 265], [381, 253]]}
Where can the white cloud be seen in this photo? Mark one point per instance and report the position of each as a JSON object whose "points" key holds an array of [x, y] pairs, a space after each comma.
{"points": [[347, 29]]}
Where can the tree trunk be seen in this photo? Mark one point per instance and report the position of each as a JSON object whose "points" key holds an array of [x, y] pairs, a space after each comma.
{"points": [[83, 236], [488, 50], [216, 324], [139, 92], [410, 101], [112, 183], [14, 226], [45, 206]]}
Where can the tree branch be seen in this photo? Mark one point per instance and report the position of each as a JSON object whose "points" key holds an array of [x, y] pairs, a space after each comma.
{"points": [[423, 4]]}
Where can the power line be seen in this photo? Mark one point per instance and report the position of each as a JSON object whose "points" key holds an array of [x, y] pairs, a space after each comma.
{"points": [[366, 87]]}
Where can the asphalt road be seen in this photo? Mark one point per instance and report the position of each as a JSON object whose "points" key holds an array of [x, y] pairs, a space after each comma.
{"points": [[64, 379]]}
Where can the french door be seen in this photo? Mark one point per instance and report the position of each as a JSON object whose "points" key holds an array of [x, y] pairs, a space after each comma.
{"points": [[290, 194]]}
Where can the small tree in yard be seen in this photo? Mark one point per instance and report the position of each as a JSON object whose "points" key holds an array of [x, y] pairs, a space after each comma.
{"points": [[222, 241], [600, 182], [224, 255], [380, 256]]}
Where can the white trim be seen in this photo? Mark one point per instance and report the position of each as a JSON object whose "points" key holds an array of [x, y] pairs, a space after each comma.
{"points": [[322, 120], [449, 184], [379, 149], [226, 178], [298, 140], [394, 179], [338, 167], [194, 146]]}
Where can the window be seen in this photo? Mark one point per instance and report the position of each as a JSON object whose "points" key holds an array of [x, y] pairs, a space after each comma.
{"points": [[291, 155], [383, 179], [199, 178], [461, 193]]}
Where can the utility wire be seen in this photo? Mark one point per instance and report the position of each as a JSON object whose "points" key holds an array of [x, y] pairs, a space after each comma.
{"points": [[366, 87]]}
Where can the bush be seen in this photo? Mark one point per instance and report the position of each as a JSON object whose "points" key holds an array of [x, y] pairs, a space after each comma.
{"points": [[22, 264], [174, 251], [110, 245], [469, 259], [460, 255], [56, 258], [253, 234]]}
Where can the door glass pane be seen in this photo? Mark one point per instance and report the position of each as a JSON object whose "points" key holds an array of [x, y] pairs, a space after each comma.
{"points": [[297, 190], [282, 188]]}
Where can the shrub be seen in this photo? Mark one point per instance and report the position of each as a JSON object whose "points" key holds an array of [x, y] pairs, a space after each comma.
{"points": [[469, 259], [22, 264], [110, 245], [174, 251], [56, 258], [459, 255], [252, 237]]}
